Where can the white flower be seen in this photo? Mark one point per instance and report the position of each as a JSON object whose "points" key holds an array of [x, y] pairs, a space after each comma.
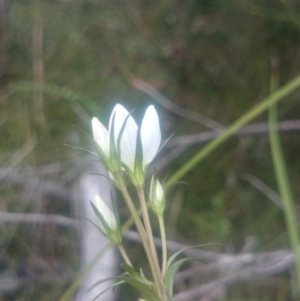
{"points": [[150, 137], [109, 152], [101, 135], [109, 224], [129, 135]]}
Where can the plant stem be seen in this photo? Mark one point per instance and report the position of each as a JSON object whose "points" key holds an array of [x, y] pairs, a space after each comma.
{"points": [[283, 182], [153, 252], [153, 266], [124, 254], [285, 192], [164, 243]]}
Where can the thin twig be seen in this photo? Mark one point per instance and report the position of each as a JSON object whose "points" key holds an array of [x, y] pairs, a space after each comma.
{"points": [[271, 194], [174, 108], [251, 129], [263, 188], [274, 266], [43, 187], [39, 218]]}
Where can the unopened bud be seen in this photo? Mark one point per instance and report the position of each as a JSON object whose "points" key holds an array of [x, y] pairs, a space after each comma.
{"points": [[157, 196], [109, 223]]}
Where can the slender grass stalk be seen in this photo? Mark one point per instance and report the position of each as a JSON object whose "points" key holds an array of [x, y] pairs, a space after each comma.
{"points": [[163, 243], [69, 292], [145, 214], [283, 182], [251, 114]]}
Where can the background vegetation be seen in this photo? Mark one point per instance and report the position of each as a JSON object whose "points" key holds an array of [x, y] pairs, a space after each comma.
{"points": [[62, 62]]}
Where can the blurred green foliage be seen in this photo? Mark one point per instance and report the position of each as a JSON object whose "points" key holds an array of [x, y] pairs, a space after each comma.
{"points": [[212, 57]]}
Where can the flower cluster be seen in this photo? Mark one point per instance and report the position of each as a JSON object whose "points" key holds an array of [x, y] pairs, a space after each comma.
{"points": [[124, 145], [127, 150]]}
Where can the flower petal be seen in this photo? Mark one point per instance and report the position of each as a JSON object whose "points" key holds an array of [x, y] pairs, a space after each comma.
{"points": [[128, 140], [101, 135], [150, 135], [118, 115]]}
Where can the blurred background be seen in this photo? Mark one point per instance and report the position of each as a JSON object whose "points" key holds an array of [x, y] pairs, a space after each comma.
{"points": [[202, 63]]}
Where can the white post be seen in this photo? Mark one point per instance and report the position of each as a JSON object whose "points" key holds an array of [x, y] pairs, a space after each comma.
{"points": [[92, 241]]}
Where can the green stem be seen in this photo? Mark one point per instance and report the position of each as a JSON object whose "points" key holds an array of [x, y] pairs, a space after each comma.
{"points": [[163, 242], [141, 230], [131, 206], [124, 254], [283, 182], [254, 112], [153, 252]]}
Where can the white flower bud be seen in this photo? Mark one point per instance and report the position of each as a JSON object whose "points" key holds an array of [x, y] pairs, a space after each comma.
{"points": [[157, 196], [109, 224]]}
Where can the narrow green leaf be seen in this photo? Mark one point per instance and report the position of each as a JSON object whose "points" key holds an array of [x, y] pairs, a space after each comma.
{"points": [[101, 281], [134, 274], [81, 149], [98, 149], [144, 289], [95, 225], [130, 270], [112, 286], [169, 278], [285, 189], [172, 258], [114, 151]]}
